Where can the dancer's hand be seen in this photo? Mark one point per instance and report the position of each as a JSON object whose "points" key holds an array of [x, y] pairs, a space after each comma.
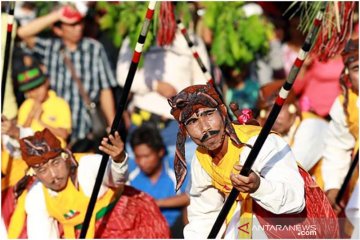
{"points": [[115, 148], [245, 184]]}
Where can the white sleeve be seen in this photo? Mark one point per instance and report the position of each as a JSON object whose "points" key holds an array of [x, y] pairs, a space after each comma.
{"points": [[309, 142], [339, 144], [205, 203], [39, 224], [116, 174], [123, 64], [281, 187]]}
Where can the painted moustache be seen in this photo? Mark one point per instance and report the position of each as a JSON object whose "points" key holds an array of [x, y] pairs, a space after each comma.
{"points": [[209, 134]]}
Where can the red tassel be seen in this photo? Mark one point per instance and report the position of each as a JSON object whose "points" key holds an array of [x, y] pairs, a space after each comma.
{"points": [[167, 24], [331, 42]]}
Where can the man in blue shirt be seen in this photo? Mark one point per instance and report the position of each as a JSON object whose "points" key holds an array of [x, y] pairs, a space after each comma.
{"points": [[152, 172]]}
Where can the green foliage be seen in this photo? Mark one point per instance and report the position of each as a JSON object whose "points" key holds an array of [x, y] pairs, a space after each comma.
{"points": [[44, 7], [126, 19], [236, 39]]}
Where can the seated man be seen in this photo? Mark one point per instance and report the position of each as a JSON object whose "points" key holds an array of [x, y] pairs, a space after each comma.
{"points": [[276, 190], [305, 132], [152, 172], [61, 189]]}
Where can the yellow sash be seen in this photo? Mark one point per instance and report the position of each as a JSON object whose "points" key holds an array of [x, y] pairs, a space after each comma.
{"points": [[220, 175], [353, 111], [69, 206]]}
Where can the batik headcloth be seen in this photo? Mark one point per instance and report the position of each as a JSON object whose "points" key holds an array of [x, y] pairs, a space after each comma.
{"points": [[40, 148], [351, 51], [185, 104]]}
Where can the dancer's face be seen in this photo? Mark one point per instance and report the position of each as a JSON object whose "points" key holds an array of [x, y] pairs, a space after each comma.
{"points": [[206, 128], [54, 174]]}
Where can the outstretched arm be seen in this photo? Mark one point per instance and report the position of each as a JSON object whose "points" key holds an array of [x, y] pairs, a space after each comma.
{"points": [[176, 201], [116, 172], [29, 31]]}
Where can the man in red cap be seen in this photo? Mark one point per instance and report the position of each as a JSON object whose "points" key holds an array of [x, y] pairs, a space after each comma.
{"points": [[87, 57], [59, 189], [342, 140], [276, 191]]}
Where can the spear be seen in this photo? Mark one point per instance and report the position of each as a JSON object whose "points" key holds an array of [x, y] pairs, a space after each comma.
{"points": [[245, 171], [10, 20], [121, 106], [347, 179]]}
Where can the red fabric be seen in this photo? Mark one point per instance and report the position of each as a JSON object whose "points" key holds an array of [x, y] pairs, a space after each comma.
{"points": [[135, 215], [317, 220], [72, 13], [8, 204]]}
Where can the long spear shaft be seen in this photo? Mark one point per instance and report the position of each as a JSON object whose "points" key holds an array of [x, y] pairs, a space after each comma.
{"points": [[245, 171], [116, 122], [347, 178], [10, 20]]}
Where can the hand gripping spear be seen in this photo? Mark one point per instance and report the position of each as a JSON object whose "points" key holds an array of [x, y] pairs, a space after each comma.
{"points": [[10, 20], [119, 112], [310, 39]]}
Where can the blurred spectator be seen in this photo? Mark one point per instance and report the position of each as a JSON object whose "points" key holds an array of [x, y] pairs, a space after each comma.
{"points": [[25, 12], [269, 67], [166, 71], [317, 85], [240, 88], [152, 172], [303, 131], [292, 46], [42, 108], [87, 56]]}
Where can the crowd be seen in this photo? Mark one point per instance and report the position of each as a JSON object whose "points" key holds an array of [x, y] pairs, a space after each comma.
{"points": [[177, 154]]}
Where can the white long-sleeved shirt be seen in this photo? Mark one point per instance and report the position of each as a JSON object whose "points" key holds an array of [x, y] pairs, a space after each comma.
{"points": [[339, 146], [173, 64], [281, 189], [308, 141], [40, 225]]}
